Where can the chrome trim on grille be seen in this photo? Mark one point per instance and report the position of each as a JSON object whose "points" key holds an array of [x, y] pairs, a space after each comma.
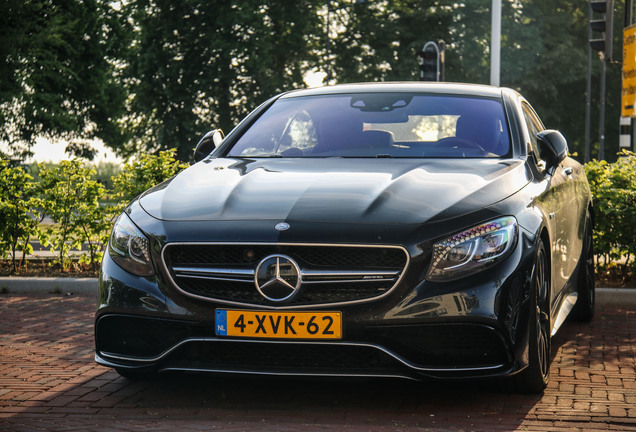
{"points": [[200, 273], [223, 274], [223, 271], [353, 344], [347, 276], [247, 275]]}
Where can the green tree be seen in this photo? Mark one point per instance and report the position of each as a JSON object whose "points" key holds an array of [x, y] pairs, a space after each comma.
{"points": [[543, 53], [197, 64], [146, 75], [378, 41], [545, 58], [59, 73]]}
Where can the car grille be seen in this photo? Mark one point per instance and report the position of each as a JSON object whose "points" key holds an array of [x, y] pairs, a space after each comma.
{"points": [[330, 273]]}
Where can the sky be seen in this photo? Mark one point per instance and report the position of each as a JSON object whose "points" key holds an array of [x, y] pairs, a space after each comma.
{"points": [[47, 151]]}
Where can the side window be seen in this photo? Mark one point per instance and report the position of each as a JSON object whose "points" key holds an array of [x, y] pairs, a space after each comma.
{"points": [[535, 126]]}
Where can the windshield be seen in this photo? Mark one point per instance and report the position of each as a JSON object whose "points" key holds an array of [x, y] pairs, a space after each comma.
{"points": [[378, 125]]}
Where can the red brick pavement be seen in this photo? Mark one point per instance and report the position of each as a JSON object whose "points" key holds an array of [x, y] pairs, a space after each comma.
{"points": [[48, 381]]}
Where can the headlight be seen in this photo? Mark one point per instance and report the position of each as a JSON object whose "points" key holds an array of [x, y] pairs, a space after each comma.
{"points": [[472, 250], [129, 248]]}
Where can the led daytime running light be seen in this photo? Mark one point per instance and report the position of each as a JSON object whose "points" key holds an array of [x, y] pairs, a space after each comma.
{"points": [[470, 250]]}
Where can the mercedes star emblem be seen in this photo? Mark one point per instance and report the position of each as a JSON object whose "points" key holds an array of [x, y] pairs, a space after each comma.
{"points": [[277, 278]]}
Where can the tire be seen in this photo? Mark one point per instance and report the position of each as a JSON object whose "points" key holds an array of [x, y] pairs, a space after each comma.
{"points": [[583, 310], [534, 378]]}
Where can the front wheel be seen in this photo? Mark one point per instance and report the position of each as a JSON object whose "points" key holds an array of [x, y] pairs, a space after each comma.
{"points": [[534, 378]]}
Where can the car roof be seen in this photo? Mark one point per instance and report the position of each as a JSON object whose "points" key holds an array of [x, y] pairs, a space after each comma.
{"points": [[410, 87]]}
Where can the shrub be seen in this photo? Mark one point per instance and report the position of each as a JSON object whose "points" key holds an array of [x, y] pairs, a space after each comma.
{"points": [[19, 223], [106, 172], [138, 176], [70, 193], [70, 196], [614, 190], [148, 171]]}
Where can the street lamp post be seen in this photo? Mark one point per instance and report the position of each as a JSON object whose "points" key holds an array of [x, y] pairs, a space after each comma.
{"points": [[495, 44]]}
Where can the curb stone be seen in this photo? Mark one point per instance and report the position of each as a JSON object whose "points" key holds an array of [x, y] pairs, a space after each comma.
{"points": [[616, 296], [26, 285]]}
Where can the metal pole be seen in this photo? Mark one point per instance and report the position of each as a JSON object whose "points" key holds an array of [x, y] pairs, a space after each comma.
{"points": [[588, 92], [601, 120], [328, 44], [495, 44], [442, 60], [628, 21]]}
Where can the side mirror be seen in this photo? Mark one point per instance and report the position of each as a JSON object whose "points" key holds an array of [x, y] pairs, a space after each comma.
{"points": [[553, 148], [208, 143]]}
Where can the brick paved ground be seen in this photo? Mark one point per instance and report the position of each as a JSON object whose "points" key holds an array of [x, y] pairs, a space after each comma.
{"points": [[48, 381]]}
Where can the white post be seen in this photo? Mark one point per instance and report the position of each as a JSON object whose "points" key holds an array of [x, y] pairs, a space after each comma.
{"points": [[495, 43], [625, 137]]}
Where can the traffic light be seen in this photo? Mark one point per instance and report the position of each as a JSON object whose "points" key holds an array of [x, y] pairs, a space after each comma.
{"points": [[429, 62], [602, 25]]}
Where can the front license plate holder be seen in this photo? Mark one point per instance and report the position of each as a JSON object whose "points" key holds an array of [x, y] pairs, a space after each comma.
{"points": [[278, 325]]}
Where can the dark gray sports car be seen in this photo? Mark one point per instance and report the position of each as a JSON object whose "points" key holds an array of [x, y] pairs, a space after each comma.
{"points": [[372, 230]]}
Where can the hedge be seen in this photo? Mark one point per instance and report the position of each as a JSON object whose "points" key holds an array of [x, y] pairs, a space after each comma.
{"points": [[83, 209], [613, 187]]}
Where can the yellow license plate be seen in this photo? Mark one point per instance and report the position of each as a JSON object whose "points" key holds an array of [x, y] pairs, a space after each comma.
{"points": [[284, 325]]}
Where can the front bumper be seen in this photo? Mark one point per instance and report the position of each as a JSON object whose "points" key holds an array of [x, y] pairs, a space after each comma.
{"points": [[474, 327]]}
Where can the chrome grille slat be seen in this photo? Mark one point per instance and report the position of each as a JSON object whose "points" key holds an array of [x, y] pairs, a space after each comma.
{"points": [[330, 274], [308, 276], [347, 274], [326, 281], [219, 271], [221, 274], [215, 278]]}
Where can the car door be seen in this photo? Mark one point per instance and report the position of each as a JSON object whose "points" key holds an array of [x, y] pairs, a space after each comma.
{"points": [[574, 196], [557, 201]]}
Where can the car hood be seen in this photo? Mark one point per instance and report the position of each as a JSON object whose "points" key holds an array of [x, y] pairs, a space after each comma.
{"points": [[334, 190]]}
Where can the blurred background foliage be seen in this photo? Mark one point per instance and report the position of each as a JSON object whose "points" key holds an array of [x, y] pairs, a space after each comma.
{"points": [[81, 200], [613, 186], [71, 205], [148, 75]]}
